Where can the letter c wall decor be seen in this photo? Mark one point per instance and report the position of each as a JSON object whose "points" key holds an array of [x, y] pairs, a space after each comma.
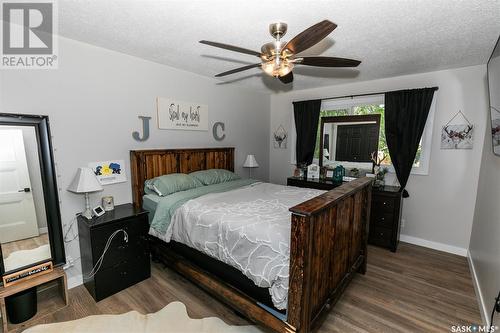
{"points": [[215, 131]]}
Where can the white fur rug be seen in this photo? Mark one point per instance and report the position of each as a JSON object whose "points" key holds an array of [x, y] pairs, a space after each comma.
{"points": [[26, 257], [170, 319]]}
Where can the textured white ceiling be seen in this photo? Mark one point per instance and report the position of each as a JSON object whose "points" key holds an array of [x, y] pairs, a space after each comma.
{"points": [[390, 37]]}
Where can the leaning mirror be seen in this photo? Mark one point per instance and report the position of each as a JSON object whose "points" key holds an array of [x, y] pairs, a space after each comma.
{"points": [[494, 86], [30, 228], [349, 141]]}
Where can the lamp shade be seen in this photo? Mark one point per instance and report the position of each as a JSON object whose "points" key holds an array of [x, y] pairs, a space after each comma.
{"points": [[85, 181], [250, 162]]}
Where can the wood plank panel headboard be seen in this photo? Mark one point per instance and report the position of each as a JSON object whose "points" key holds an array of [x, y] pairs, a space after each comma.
{"points": [[147, 164]]}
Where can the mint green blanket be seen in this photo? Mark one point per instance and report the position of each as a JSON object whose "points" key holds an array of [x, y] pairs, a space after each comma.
{"points": [[169, 204]]}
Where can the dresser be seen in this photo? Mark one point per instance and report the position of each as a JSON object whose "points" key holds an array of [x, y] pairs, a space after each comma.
{"points": [[385, 210], [122, 235]]}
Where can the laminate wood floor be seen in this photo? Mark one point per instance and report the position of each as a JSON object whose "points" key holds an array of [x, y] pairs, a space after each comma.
{"points": [[24, 244], [413, 290]]}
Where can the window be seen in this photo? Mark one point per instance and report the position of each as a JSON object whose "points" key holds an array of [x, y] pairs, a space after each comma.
{"points": [[365, 105]]}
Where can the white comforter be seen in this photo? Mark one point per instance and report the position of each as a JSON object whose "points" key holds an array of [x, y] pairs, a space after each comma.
{"points": [[247, 228]]}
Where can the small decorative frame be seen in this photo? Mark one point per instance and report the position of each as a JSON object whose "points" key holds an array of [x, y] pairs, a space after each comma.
{"points": [[109, 172], [280, 137], [459, 136], [26, 274]]}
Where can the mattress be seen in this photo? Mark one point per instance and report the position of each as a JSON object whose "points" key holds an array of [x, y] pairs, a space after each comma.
{"points": [[149, 203], [246, 226]]}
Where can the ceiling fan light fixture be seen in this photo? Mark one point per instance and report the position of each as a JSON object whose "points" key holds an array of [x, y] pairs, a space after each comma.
{"points": [[272, 69], [268, 67], [285, 68]]}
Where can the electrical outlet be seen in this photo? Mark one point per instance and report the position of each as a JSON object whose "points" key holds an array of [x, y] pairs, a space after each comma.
{"points": [[403, 222]]}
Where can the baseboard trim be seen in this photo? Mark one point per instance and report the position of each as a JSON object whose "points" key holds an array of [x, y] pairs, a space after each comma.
{"points": [[43, 230], [434, 245], [75, 281], [477, 289]]}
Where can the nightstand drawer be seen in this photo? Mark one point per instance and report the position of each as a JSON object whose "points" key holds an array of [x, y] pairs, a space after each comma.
{"points": [[382, 219], [383, 204], [121, 276], [119, 249], [380, 236]]}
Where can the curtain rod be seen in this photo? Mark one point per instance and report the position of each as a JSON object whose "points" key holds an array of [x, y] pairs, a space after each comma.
{"points": [[359, 95]]}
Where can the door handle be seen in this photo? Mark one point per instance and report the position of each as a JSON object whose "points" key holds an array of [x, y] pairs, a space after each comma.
{"points": [[26, 189]]}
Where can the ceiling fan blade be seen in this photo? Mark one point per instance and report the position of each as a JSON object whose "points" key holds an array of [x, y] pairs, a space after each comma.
{"points": [[230, 47], [328, 62], [239, 69], [287, 78], [310, 36]]}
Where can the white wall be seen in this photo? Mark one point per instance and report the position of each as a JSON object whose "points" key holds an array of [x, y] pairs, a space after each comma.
{"points": [[440, 210], [93, 101], [485, 238]]}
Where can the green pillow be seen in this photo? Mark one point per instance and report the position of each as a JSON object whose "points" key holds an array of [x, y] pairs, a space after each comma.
{"points": [[214, 176], [168, 184]]}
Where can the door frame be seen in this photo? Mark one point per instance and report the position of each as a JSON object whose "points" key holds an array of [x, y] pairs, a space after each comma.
{"points": [[345, 119], [50, 189]]}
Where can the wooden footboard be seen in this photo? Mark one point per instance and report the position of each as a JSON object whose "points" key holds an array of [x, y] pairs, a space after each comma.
{"points": [[328, 245]]}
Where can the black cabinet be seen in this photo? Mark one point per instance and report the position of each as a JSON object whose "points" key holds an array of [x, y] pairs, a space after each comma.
{"points": [[385, 210], [120, 238], [385, 217]]}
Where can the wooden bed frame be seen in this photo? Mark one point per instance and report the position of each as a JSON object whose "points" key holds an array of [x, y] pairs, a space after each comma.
{"points": [[328, 241]]}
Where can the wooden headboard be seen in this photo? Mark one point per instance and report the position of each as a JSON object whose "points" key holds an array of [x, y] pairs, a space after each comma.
{"points": [[147, 164]]}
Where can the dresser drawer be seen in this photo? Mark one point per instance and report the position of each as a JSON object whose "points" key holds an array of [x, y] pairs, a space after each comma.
{"points": [[381, 219], [120, 249], [121, 276]]}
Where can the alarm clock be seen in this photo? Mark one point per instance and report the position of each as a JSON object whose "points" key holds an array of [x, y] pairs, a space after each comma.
{"points": [[108, 203], [98, 211]]}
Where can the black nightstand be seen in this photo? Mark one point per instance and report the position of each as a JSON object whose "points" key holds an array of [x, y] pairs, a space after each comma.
{"points": [[385, 217], [127, 260]]}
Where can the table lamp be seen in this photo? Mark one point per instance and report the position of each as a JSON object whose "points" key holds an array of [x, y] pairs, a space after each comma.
{"points": [[250, 163], [85, 181]]}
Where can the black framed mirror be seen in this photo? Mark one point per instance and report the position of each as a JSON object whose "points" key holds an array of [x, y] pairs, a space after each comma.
{"points": [[30, 217], [349, 139], [494, 91]]}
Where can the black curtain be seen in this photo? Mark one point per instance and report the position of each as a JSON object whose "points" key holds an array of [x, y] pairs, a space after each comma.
{"points": [[406, 112], [306, 114]]}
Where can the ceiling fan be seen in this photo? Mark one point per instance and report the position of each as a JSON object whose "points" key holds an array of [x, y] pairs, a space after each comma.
{"points": [[278, 58]]}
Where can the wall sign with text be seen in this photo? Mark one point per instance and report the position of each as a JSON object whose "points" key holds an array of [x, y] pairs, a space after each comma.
{"points": [[180, 115]]}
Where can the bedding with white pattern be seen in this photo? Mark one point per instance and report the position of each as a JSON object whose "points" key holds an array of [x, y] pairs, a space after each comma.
{"points": [[247, 228]]}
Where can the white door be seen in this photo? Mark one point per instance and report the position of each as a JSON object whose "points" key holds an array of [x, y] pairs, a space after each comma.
{"points": [[17, 211]]}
